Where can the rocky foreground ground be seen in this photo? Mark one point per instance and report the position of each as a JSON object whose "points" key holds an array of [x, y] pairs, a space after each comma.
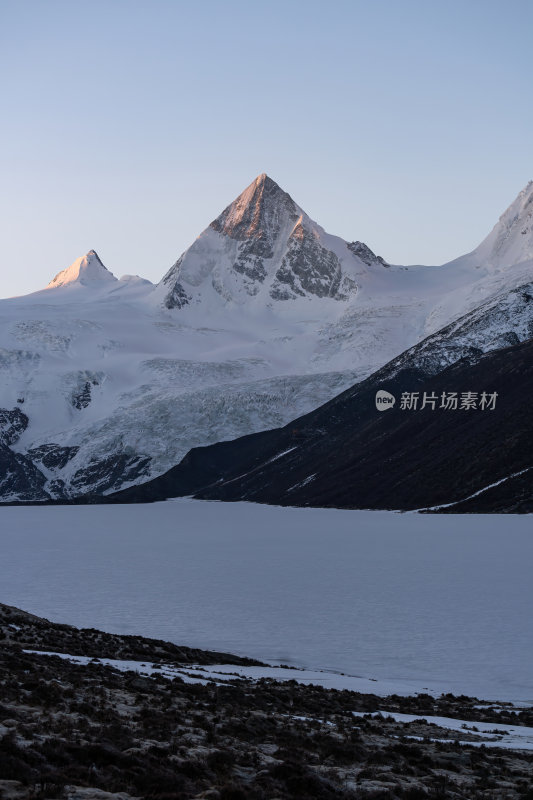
{"points": [[91, 731]]}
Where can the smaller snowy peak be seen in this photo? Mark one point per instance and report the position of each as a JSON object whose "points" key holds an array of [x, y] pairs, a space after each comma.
{"points": [[135, 279], [85, 271], [511, 240]]}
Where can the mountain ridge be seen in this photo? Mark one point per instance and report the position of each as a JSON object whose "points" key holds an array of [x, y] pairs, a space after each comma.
{"points": [[254, 215], [118, 387]]}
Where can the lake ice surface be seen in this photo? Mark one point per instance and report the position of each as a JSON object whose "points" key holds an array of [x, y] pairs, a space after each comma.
{"points": [[436, 601]]}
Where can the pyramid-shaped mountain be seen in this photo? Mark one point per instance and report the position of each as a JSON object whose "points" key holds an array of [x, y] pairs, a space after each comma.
{"points": [[85, 271], [264, 246]]}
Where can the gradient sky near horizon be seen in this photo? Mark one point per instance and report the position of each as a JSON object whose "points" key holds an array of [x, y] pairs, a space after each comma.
{"points": [[128, 125]]}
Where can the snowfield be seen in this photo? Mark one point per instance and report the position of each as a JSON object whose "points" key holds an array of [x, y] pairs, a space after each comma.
{"points": [[399, 603]]}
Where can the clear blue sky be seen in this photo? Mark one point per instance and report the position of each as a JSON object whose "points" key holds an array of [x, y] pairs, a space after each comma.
{"points": [[128, 125]]}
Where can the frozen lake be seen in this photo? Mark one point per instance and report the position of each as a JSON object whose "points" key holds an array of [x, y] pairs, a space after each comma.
{"points": [[442, 602]]}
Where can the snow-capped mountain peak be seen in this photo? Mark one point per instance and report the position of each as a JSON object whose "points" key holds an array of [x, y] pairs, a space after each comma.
{"points": [[88, 270], [262, 246]]}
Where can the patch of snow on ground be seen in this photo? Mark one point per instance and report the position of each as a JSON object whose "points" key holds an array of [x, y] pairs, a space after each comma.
{"points": [[512, 737]]}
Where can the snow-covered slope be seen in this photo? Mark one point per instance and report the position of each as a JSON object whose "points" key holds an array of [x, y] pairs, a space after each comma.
{"points": [[510, 241], [265, 317], [505, 319]]}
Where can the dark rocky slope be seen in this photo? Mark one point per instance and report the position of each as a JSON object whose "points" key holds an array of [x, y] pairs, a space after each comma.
{"points": [[19, 477], [79, 731], [21, 629], [346, 454]]}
